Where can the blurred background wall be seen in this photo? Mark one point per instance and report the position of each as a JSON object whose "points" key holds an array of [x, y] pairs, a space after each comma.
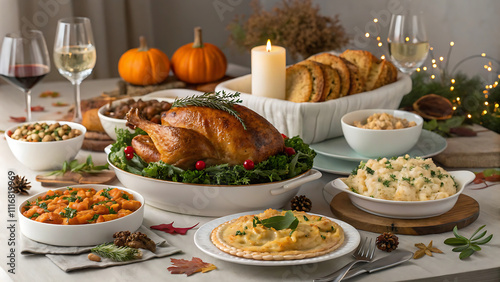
{"points": [[167, 25]]}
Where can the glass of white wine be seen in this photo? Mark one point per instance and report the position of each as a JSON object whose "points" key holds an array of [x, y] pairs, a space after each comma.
{"points": [[74, 54], [408, 44]]}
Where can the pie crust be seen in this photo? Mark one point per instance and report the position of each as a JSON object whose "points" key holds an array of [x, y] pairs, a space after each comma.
{"points": [[314, 236]]}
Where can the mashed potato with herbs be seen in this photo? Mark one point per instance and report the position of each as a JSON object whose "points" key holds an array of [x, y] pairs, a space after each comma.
{"points": [[402, 179], [384, 121]]}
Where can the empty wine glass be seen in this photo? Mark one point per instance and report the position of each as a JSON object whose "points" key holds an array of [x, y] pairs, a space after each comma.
{"points": [[24, 61], [408, 44], [74, 54]]}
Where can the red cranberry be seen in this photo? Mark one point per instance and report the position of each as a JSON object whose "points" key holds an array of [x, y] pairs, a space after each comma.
{"points": [[290, 151], [200, 165], [248, 164], [284, 136], [129, 150]]}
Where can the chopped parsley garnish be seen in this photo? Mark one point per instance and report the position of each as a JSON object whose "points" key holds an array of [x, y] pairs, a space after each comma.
{"points": [[387, 183], [35, 215], [94, 218], [125, 196], [305, 218], [111, 210], [70, 199], [393, 177], [68, 212], [333, 229], [427, 180], [370, 171], [323, 237], [239, 233], [354, 190], [105, 192], [426, 166], [43, 206]]}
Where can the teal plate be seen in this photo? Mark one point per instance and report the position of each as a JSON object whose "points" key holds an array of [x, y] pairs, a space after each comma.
{"points": [[429, 144]]}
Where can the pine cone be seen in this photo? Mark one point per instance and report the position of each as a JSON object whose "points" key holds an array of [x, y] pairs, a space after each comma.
{"points": [[301, 203], [387, 242], [20, 185]]}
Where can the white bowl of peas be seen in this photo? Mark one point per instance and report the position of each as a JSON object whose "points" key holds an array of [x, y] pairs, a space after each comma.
{"points": [[45, 145]]}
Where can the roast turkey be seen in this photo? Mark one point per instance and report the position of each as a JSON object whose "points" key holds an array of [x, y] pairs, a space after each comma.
{"points": [[193, 133]]}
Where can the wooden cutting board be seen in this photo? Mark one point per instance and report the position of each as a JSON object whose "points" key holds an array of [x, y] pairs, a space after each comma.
{"points": [[72, 178], [465, 212], [482, 150]]}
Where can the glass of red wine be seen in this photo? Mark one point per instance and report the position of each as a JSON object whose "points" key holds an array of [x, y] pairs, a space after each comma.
{"points": [[24, 61]]}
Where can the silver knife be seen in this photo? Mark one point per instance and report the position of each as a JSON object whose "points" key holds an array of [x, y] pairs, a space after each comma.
{"points": [[382, 263]]}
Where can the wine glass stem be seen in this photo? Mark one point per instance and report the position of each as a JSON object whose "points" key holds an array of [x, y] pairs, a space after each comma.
{"points": [[78, 109], [28, 104]]}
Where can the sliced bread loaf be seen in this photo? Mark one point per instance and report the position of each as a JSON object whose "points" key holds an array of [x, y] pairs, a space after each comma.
{"points": [[318, 85], [357, 81], [362, 59], [299, 83], [332, 82], [337, 64]]}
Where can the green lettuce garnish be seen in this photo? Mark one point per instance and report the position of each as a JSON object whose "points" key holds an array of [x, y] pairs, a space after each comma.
{"points": [[275, 168]]}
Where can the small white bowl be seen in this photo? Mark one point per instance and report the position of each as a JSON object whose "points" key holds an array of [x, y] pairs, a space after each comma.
{"points": [[84, 234], [381, 143], [406, 209], [109, 124], [46, 155]]}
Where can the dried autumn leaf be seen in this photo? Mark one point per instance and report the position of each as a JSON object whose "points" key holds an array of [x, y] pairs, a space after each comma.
{"points": [[418, 254], [59, 104], [37, 109], [425, 250], [189, 267], [169, 228], [18, 119], [52, 94]]}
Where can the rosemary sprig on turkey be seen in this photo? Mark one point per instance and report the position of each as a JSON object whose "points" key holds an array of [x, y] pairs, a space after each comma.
{"points": [[216, 100]]}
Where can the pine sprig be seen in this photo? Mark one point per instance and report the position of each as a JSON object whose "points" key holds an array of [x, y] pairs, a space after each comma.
{"points": [[115, 253], [216, 100], [467, 247]]}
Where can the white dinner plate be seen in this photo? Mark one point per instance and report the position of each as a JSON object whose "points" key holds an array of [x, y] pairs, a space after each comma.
{"points": [[333, 165], [203, 242], [429, 144]]}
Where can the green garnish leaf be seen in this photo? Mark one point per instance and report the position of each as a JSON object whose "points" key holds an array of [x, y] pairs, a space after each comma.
{"points": [[280, 222], [85, 167], [218, 100], [115, 253], [467, 247]]}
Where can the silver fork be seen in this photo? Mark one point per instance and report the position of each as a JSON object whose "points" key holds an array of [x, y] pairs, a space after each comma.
{"points": [[364, 253]]}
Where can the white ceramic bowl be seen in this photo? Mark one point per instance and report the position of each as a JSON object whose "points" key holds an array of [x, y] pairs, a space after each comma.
{"points": [[381, 143], [109, 124], [406, 209], [213, 200], [80, 235], [46, 155]]}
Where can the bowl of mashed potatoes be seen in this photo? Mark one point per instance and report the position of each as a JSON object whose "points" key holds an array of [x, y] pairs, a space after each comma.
{"points": [[403, 187], [381, 133]]}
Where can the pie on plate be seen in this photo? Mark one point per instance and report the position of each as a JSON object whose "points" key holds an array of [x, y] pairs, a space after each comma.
{"points": [[278, 235]]}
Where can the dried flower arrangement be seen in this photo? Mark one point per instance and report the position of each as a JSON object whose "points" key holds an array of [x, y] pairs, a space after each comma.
{"points": [[297, 26]]}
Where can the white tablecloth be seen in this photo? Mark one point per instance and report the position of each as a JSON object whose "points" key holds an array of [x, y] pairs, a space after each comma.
{"points": [[482, 266]]}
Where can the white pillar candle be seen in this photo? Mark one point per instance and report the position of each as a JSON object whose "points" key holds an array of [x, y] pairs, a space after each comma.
{"points": [[269, 71]]}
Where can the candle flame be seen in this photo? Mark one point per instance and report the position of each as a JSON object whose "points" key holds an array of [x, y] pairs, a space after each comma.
{"points": [[268, 47]]}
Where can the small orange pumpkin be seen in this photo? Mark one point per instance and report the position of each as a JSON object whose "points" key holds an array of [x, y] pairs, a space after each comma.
{"points": [[199, 62], [143, 65]]}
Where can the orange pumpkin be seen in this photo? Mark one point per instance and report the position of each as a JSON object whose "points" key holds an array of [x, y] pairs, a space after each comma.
{"points": [[143, 65], [199, 62]]}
